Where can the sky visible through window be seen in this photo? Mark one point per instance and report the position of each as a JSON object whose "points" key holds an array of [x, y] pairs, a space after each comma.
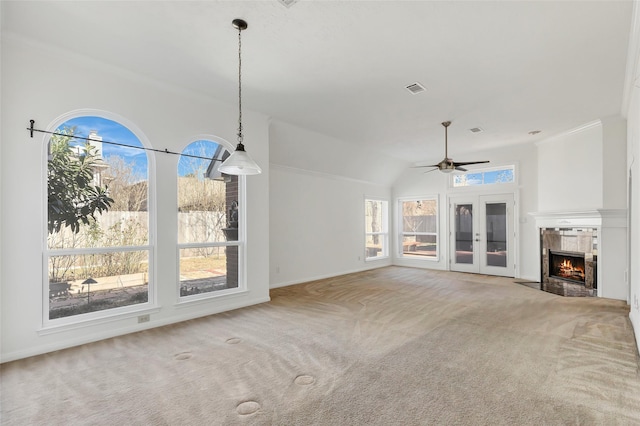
{"points": [[197, 166], [485, 177], [112, 131]]}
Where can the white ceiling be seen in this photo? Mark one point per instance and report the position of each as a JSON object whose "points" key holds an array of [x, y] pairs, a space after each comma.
{"points": [[341, 67]]}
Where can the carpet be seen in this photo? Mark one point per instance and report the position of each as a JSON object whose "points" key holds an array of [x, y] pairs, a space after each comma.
{"points": [[391, 346]]}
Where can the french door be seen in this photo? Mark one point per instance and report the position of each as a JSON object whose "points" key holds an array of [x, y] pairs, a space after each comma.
{"points": [[481, 230]]}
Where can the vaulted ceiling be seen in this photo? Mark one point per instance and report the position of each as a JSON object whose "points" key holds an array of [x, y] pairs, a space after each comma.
{"points": [[341, 67]]}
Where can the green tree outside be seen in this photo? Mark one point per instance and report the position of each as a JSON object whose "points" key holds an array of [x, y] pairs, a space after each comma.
{"points": [[73, 199]]}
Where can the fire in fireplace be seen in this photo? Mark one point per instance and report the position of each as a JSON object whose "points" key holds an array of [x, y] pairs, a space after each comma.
{"points": [[567, 265]]}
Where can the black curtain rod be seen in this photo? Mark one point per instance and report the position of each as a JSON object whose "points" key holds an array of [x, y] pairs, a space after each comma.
{"points": [[31, 129]]}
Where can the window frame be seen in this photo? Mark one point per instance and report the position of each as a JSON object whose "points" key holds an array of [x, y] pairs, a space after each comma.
{"points": [[384, 229], [483, 170], [401, 233], [100, 316], [240, 243]]}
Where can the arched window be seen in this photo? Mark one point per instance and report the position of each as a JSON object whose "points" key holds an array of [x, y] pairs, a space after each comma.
{"points": [[209, 217], [97, 251]]}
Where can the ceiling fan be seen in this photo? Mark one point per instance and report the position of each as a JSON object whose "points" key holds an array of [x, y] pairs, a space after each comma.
{"points": [[448, 165]]}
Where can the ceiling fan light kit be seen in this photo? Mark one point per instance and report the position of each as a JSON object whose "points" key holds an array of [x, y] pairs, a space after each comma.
{"points": [[447, 165]]}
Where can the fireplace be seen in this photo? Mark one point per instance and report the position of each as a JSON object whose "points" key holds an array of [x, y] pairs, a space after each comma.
{"points": [[566, 265], [601, 235], [569, 261]]}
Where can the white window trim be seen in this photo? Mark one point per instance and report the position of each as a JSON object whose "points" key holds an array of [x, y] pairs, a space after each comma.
{"points": [[400, 228], [384, 233], [104, 316], [240, 243]]}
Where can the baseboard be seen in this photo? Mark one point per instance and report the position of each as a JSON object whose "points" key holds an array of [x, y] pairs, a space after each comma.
{"points": [[634, 317], [528, 278], [134, 328], [322, 277]]}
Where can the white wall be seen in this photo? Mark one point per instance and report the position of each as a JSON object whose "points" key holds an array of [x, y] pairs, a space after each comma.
{"points": [[633, 167], [414, 182], [42, 83], [632, 95], [570, 170], [614, 158], [298, 148], [317, 191], [582, 168], [614, 239]]}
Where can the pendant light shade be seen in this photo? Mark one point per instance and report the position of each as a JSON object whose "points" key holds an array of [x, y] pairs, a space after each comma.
{"points": [[239, 162]]}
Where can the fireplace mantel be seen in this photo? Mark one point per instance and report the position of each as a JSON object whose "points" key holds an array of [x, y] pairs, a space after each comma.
{"points": [[614, 218], [611, 229]]}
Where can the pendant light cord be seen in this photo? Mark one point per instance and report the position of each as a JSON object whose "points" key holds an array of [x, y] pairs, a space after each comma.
{"points": [[240, 85]]}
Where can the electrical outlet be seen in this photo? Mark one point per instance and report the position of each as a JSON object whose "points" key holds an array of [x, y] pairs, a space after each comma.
{"points": [[143, 318], [277, 269]]}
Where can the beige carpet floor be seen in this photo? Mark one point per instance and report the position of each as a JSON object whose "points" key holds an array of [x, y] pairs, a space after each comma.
{"points": [[393, 346]]}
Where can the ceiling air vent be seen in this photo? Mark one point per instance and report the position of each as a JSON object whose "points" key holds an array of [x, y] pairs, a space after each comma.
{"points": [[476, 130], [288, 3], [415, 88]]}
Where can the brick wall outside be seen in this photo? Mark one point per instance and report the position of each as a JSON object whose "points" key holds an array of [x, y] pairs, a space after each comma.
{"points": [[232, 251]]}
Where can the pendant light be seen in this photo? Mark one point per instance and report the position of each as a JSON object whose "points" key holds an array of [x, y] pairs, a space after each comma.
{"points": [[239, 162]]}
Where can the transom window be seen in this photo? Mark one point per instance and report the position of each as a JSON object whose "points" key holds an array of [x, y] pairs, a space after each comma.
{"points": [[487, 176], [376, 229], [97, 253], [208, 222], [419, 228]]}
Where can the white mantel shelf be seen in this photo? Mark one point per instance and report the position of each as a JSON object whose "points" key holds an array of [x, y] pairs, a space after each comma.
{"points": [[609, 218]]}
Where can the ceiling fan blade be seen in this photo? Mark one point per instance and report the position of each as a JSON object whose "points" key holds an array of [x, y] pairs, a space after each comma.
{"points": [[429, 171], [417, 167], [467, 163], [448, 165]]}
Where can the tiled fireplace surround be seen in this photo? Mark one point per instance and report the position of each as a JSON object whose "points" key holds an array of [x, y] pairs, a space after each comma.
{"points": [[600, 235], [578, 241]]}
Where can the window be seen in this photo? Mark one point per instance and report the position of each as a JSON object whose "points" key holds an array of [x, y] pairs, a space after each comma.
{"points": [[489, 176], [419, 228], [208, 222], [376, 229], [97, 253]]}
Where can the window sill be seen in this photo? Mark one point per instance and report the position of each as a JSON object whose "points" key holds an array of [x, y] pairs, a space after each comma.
{"points": [[374, 259], [420, 258], [201, 299]]}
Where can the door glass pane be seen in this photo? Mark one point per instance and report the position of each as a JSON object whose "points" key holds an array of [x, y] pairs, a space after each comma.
{"points": [[496, 225], [464, 233]]}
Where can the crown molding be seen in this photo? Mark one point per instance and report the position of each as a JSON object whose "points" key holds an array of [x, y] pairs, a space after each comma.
{"points": [[575, 130], [633, 54]]}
